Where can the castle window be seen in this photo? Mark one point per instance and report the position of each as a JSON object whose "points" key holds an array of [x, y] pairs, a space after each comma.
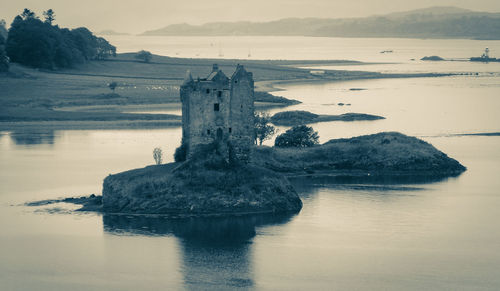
{"points": [[230, 129], [219, 94], [208, 91], [216, 106], [235, 81], [208, 131]]}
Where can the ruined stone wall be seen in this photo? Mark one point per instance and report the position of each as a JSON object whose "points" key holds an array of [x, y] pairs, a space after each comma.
{"points": [[242, 113], [207, 113]]}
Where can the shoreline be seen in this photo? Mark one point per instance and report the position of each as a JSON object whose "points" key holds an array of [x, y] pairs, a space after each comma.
{"points": [[396, 159], [273, 85], [19, 126], [114, 111]]}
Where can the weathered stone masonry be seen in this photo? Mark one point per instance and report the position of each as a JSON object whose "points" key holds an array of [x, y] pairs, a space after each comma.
{"points": [[219, 109]]}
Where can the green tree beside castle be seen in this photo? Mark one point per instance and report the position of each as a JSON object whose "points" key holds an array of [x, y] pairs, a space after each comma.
{"points": [[300, 136]]}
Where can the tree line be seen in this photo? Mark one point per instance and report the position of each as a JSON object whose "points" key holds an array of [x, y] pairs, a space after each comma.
{"points": [[4, 60], [39, 43]]}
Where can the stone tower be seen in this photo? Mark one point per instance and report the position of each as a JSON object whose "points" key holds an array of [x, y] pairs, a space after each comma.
{"points": [[219, 109]]}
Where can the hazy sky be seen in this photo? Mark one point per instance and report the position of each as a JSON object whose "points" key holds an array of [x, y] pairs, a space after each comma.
{"points": [[136, 16]]}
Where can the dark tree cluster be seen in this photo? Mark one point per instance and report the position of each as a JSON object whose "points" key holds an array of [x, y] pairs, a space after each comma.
{"points": [[40, 44], [300, 136], [180, 154], [4, 61]]}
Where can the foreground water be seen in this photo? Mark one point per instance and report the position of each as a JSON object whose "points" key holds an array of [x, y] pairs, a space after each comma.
{"points": [[368, 237]]}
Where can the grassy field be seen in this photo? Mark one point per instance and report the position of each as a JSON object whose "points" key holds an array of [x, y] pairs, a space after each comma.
{"points": [[81, 95]]}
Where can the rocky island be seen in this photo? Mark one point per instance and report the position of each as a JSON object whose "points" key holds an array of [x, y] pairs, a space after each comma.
{"points": [[432, 58], [208, 184], [297, 117], [386, 154]]}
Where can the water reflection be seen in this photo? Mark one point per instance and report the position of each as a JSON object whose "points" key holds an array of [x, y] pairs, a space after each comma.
{"points": [[309, 190], [372, 179], [216, 252], [200, 230], [33, 137]]}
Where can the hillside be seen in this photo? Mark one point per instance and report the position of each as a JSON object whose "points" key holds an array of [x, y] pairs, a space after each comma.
{"points": [[434, 22]]}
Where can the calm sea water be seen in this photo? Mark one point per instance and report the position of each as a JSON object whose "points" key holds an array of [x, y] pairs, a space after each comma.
{"points": [[438, 236]]}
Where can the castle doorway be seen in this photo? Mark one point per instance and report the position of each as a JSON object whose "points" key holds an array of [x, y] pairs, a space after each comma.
{"points": [[219, 133]]}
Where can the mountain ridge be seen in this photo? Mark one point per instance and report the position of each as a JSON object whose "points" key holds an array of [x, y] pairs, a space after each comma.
{"points": [[432, 22]]}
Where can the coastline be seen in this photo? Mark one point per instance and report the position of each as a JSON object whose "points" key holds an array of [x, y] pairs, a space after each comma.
{"points": [[275, 85], [20, 126]]}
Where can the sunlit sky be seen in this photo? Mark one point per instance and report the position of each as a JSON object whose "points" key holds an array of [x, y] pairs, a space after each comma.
{"points": [[135, 16]]}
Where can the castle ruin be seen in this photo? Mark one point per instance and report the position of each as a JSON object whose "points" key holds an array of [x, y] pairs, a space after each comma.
{"points": [[219, 109]]}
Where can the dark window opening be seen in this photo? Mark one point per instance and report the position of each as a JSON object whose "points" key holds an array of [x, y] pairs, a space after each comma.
{"points": [[216, 107], [219, 94], [230, 130], [208, 91], [235, 81], [208, 131], [241, 106]]}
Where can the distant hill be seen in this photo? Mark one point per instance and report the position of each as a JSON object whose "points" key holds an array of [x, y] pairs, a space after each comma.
{"points": [[434, 22], [436, 10]]}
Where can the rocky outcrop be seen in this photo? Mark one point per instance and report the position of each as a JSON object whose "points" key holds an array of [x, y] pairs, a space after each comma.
{"points": [[388, 154], [204, 185]]}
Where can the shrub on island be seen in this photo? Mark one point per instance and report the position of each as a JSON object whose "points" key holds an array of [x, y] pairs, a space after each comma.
{"points": [[301, 136]]}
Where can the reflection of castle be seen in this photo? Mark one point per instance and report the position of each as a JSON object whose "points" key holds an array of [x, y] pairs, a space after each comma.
{"points": [[215, 251], [219, 109]]}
